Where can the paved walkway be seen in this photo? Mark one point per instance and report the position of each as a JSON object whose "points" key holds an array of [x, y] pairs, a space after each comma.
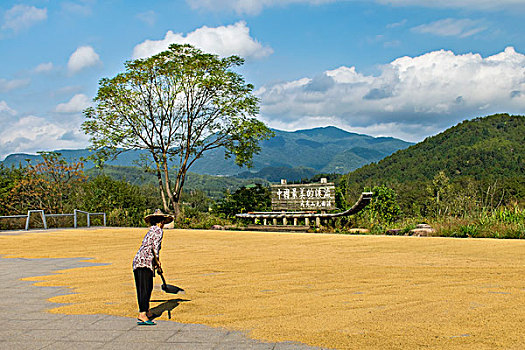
{"points": [[26, 324]]}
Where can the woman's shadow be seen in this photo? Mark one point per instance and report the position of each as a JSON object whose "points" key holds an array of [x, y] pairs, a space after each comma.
{"points": [[167, 305]]}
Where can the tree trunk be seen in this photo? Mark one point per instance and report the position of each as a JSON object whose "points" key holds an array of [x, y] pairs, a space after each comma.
{"points": [[161, 187], [176, 209], [173, 201], [163, 196], [177, 192]]}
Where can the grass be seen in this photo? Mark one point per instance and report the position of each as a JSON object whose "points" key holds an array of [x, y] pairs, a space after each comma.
{"points": [[504, 222]]}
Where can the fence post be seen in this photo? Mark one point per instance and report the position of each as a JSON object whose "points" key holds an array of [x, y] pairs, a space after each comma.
{"points": [[88, 224], [44, 219], [41, 214], [27, 220], [104, 219], [75, 218]]}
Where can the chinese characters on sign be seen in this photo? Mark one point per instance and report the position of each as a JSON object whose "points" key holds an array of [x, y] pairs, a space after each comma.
{"points": [[303, 197]]}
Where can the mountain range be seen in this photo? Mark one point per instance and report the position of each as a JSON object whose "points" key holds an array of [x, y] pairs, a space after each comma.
{"points": [[301, 153]]}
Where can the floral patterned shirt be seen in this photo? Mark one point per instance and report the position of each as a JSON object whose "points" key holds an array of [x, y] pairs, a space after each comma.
{"points": [[144, 256]]}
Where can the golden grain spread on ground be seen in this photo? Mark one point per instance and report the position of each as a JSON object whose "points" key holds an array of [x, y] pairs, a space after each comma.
{"points": [[347, 292]]}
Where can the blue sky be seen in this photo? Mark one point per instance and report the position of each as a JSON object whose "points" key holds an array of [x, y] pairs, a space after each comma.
{"points": [[401, 68]]}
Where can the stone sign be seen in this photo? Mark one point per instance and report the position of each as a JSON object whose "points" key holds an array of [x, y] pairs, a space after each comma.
{"points": [[303, 197]]}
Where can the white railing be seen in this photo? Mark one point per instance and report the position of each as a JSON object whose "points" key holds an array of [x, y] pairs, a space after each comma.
{"points": [[43, 215]]}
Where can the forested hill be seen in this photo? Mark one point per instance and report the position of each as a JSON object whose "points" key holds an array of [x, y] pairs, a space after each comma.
{"points": [[484, 149]]}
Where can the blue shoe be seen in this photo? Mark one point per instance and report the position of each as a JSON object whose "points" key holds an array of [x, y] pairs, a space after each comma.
{"points": [[145, 323]]}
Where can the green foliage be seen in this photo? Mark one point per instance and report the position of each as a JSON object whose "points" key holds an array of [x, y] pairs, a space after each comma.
{"points": [[463, 231], [340, 191], [195, 202], [503, 215], [245, 199], [439, 190], [486, 225], [124, 203], [201, 221], [383, 208], [8, 179]]}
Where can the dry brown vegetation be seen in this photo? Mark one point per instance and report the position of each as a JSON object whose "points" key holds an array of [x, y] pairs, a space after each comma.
{"points": [[334, 291]]}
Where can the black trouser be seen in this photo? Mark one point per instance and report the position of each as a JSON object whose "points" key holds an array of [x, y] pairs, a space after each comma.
{"points": [[144, 284]]}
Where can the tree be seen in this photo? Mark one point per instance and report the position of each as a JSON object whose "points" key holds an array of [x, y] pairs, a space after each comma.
{"points": [[245, 199], [8, 179], [47, 185], [439, 191], [124, 203], [176, 105], [384, 206]]}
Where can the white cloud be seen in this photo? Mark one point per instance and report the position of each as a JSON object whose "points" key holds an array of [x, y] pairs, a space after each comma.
{"points": [[82, 7], [397, 24], [148, 17], [452, 27], [228, 40], [31, 134], [6, 112], [412, 98], [5, 108], [83, 57], [22, 17], [8, 85], [78, 103], [44, 67], [67, 91]]}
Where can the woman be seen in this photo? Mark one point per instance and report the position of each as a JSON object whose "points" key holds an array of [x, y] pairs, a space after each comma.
{"points": [[145, 262]]}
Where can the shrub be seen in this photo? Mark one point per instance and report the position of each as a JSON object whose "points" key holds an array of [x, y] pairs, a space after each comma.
{"points": [[245, 199]]}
